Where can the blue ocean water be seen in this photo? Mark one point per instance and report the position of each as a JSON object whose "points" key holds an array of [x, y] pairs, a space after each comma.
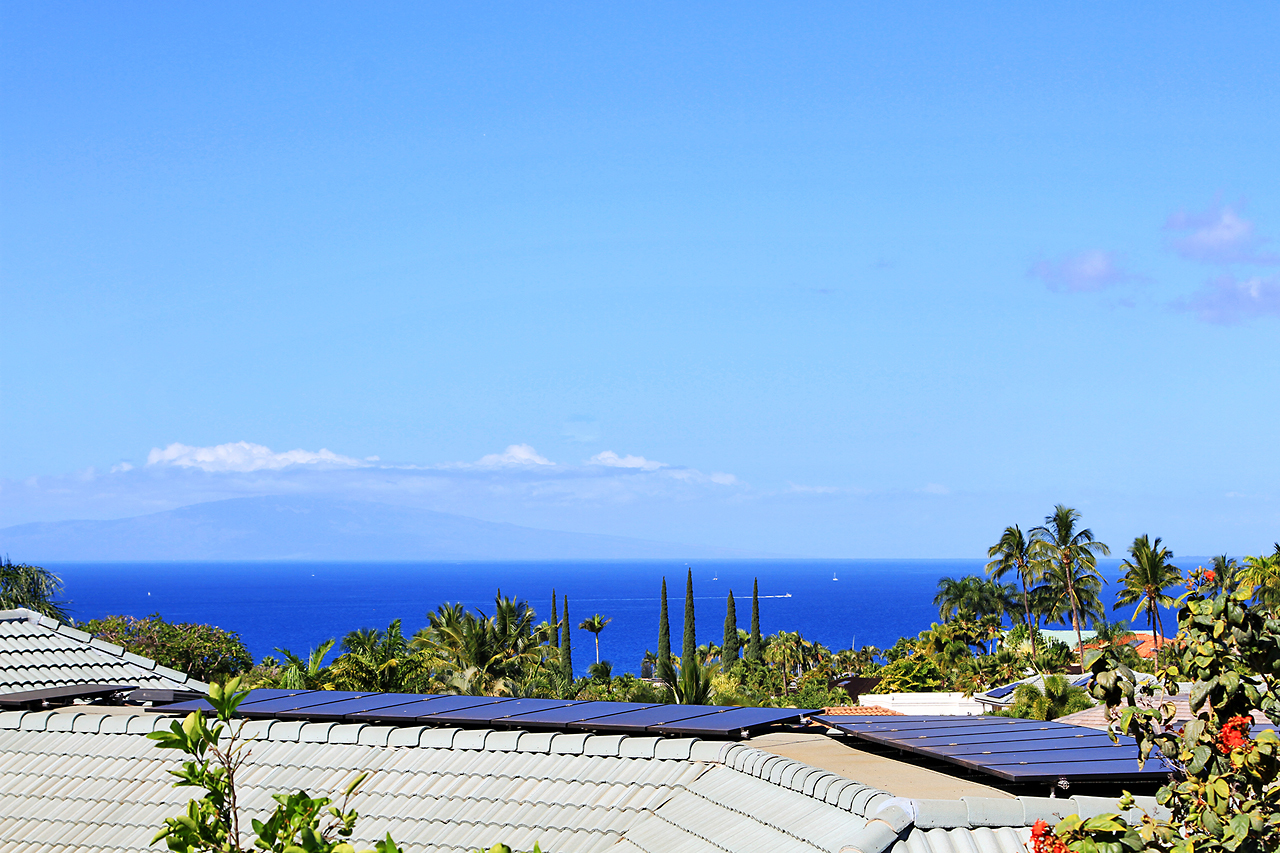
{"points": [[298, 605]]}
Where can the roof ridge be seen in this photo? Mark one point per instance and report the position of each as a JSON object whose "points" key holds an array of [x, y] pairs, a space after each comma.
{"points": [[101, 647]]}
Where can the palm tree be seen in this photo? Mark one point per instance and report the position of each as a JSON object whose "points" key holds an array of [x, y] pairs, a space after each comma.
{"points": [[1262, 575], [1058, 698], [595, 625], [1073, 556], [1147, 575], [299, 674], [376, 661], [1024, 557], [498, 648], [31, 587], [955, 596], [690, 682], [970, 598]]}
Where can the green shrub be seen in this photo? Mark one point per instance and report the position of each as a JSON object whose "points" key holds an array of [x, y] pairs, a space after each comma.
{"points": [[204, 652]]}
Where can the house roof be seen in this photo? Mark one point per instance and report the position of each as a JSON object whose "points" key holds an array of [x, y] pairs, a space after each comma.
{"points": [[85, 779], [861, 711], [1145, 643], [38, 652], [1096, 717]]}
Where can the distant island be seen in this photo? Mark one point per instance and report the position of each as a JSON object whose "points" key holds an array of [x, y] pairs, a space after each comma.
{"points": [[310, 528]]}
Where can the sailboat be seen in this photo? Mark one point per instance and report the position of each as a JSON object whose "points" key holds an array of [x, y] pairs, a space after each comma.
{"points": [[833, 577]]}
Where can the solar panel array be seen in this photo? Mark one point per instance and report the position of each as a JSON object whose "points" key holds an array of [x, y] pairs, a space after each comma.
{"points": [[1011, 749], [1006, 689], [719, 721]]}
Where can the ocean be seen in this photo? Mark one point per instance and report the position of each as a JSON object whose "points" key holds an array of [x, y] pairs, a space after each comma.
{"points": [[298, 605]]}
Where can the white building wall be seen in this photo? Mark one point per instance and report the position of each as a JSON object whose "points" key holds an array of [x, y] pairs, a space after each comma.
{"points": [[941, 704]]}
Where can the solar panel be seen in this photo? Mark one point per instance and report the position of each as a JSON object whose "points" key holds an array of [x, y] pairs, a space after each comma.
{"points": [[500, 713], [269, 708], [336, 711], [29, 700], [261, 695], [635, 722], [411, 712], [1001, 692], [477, 714], [732, 723], [1011, 749], [561, 718]]}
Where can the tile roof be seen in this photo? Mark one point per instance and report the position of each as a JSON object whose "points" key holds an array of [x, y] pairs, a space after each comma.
{"points": [[861, 711], [83, 780], [1096, 717], [38, 652]]}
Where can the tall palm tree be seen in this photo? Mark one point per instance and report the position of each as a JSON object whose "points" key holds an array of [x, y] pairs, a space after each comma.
{"points": [[595, 625], [1024, 557], [1072, 554], [970, 598], [1148, 573]]}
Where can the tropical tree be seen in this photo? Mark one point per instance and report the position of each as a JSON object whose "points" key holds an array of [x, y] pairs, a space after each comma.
{"points": [[308, 674], [1261, 577], [595, 625], [498, 649], [1147, 574], [31, 587], [1023, 556], [948, 643], [1057, 698], [970, 598], [378, 661], [690, 681], [1072, 554]]}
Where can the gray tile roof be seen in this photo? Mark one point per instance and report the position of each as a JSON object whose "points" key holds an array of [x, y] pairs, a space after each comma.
{"points": [[83, 780], [38, 652]]}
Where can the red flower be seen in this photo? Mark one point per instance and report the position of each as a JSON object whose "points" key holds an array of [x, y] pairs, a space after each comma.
{"points": [[1210, 576], [1234, 734], [1044, 841]]}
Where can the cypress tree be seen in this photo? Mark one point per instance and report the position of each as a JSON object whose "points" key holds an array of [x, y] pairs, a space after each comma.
{"points": [[755, 646], [729, 650], [555, 622], [690, 650], [566, 644], [664, 631]]}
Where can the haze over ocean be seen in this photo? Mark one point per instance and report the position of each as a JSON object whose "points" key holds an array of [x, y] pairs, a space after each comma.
{"points": [[298, 605]]}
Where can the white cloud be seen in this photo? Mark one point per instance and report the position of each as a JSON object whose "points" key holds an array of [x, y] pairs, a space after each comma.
{"points": [[121, 468], [814, 490], [1218, 236], [1227, 300], [612, 460], [935, 489], [515, 456], [242, 457], [1090, 270]]}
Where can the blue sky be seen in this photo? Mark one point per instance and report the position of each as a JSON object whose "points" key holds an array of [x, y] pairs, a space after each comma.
{"points": [[841, 281]]}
